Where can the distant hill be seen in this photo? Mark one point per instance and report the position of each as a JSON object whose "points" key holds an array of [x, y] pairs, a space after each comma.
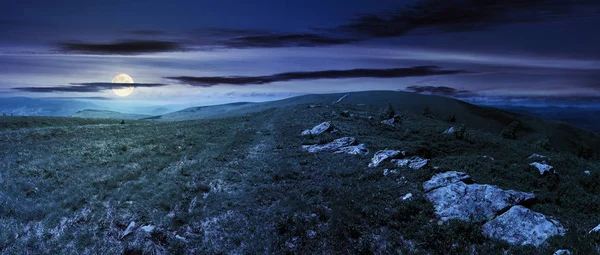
{"points": [[487, 119], [23, 106], [585, 118], [102, 114]]}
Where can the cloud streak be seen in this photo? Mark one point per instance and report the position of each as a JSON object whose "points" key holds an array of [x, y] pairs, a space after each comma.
{"points": [[316, 75], [85, 87], [438, 90], [120, 48], [465, 15]]}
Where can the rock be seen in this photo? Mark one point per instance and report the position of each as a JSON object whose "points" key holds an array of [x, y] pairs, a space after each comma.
{"points": [[380, 156], [148, 228], [345, 113], [181, 238], [449, 131], [330, 147], [128, 230], [521, 226], [596, 229], [412, 163], [444, 179], [371, 118], [389, 122], [388, 171], [587, 172], [319, 129], [360, 149], [536, 156], [473, 202], [314, 106], [407, 196], [562, 252], [542, 167], [491, 158]]}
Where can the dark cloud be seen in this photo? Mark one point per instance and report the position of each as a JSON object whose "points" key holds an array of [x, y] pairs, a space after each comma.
{"points": [[85, 87], [147, 32], [328, 74], [440, 90], [465, 15], [120, 48], [284, 40]]}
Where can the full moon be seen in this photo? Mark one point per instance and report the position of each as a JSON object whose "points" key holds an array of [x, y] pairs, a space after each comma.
{"points": [[122, 91]]}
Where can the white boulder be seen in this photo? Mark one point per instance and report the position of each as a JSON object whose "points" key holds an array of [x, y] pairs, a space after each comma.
{"points": [[444, 179], [595, 230], [412, 163], [521, 226], [542, 167], [330, 147], [319, 129], [360, 149], [382, 155], [449, 131]]}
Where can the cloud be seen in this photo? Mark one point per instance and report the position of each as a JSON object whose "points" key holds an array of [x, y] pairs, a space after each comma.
{"points": [[284, 40], [315, 75], [84, 87], [147, 32], [439, 90], [120, 48], [465, 15]]}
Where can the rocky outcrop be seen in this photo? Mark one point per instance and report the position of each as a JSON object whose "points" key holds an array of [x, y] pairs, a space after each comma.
{"points": [[412, 162], [449, 131], [382, 155], [389, 122], [542, 167], [360, 149], [521, 226], [473, 202], [330, 147], [341, 145], [319, 129], [562, 252], [453, 198], [444, 179]]}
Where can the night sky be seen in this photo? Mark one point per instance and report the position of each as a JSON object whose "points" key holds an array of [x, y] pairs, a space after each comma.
{"points": [[210, 52]]}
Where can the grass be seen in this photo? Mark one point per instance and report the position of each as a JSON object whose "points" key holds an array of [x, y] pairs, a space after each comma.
{"points": [[243, 185]]}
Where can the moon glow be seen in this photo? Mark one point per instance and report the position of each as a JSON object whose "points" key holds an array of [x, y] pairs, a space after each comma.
{"points": [[122, 91]]}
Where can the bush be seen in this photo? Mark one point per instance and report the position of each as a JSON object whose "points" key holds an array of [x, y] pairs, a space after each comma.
{"points": [[542, 144], [122, 122], [460, 132], [387, 113], [451, 118], [510, 132]]}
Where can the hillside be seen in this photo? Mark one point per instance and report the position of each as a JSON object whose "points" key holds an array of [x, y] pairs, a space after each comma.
{"points": [[103, 114], [243, 184]]}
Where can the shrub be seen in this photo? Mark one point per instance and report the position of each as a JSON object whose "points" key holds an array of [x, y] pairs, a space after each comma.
{"points": [[510, 132], [542, 144], [451, 118], [387, 113], [122, 122], [460, 132]]}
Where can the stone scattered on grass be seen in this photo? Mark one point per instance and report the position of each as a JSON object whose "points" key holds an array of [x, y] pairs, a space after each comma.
{"points": [[562, 252], [147, 228], [473, 202], [382, 155], [412, 162], [319, 129], [128, 230], [449, 131], [521, 226], [181, 238], [491, 158], [587, 172], [330, 147], [542, 167], [389, 122], [407, 196], [536, 156], [595, 230], [444, 179], [360, 149], [387, 172]]}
